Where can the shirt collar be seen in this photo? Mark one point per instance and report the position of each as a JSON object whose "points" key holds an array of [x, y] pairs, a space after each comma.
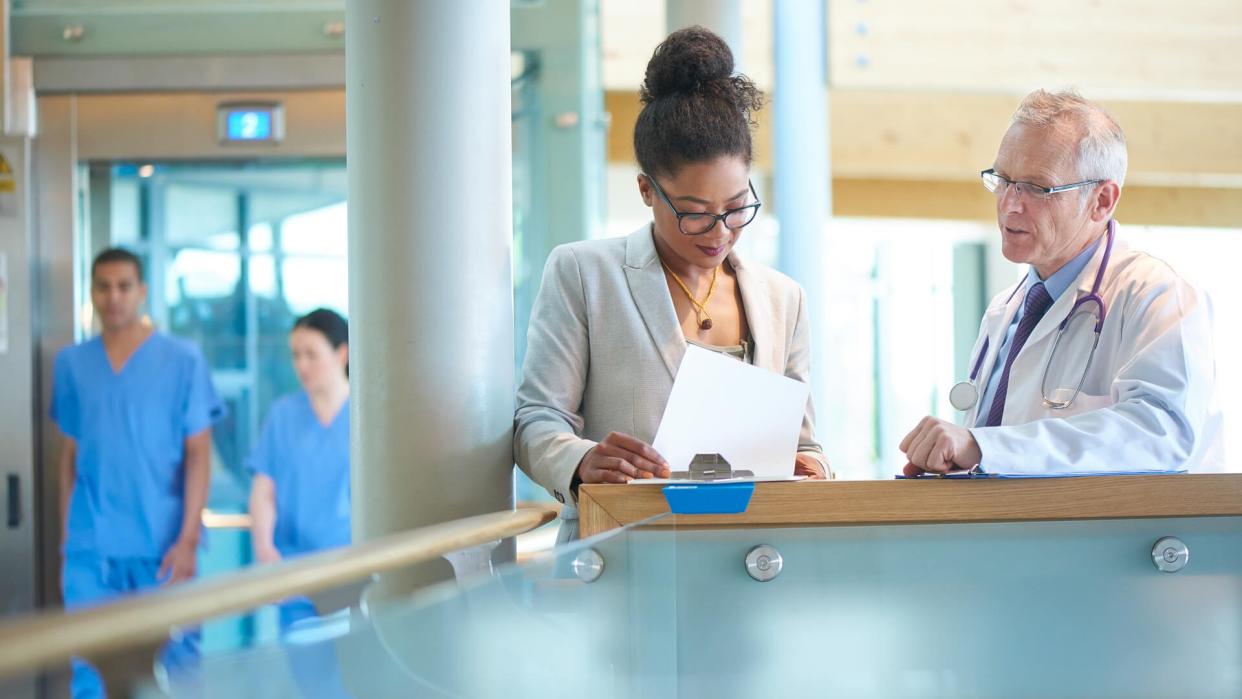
{"points": [[1062, 279]]}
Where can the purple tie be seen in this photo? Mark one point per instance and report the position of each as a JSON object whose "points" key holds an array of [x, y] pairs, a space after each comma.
{"points": [[1037, 303]]}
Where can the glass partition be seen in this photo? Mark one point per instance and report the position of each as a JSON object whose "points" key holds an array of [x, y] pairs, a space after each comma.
{"points": [[1067, 609], [546, 626]]}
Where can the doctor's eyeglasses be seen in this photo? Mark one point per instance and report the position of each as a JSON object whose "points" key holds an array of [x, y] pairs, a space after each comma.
{"points": [[997, 184], [695, 223]]}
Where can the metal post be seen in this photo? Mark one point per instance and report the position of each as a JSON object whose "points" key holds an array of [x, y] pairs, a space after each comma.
{"points": [[431, 296]]}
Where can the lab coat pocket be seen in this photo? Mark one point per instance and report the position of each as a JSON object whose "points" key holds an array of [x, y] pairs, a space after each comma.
{"points": [[1083, 402]]}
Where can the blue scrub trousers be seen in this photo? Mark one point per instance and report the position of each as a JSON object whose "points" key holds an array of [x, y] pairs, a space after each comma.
{"points": [[87, 580], [314, 666]]}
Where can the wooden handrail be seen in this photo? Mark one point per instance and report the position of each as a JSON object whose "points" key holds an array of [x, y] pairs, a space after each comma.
{"points": [[44, 639], [227, 520]]}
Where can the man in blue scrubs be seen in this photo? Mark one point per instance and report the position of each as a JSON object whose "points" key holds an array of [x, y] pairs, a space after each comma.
{"points": [[135, 408]]}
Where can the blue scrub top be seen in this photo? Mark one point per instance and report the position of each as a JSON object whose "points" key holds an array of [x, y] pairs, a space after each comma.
{"points": [[309, 463], [130, 428]]}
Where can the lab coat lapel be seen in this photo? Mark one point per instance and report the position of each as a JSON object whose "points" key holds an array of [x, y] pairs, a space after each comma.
{"points": [[645, 277], [996, 320]]}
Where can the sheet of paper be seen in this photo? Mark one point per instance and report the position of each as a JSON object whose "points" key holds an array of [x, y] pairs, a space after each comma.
{"points": [[688, 481], [748, 415]]}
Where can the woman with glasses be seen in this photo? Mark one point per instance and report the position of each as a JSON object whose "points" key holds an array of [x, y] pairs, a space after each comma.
{"points": [[614, 317]]}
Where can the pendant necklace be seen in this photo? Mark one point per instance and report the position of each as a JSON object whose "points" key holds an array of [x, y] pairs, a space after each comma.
{"points": [[700, 307]]}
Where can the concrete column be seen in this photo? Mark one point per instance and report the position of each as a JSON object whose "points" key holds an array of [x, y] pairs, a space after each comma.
{"points": [[721, 16], [803, 184], [431, 296]]}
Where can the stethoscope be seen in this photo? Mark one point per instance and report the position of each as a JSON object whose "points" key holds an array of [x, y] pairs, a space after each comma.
{"points": [[965, 394]]}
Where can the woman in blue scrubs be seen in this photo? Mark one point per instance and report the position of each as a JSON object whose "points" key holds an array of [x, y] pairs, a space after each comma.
{"points": [[299, 496]]}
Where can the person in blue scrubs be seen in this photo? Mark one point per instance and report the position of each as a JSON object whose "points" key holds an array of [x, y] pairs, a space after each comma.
{"points": [[135, 409], [299, 496]]}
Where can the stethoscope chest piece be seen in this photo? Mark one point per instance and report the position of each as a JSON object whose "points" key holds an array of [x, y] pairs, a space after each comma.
{"points": [[963, 395]]}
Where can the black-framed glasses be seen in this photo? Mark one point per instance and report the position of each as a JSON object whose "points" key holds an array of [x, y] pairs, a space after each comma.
{"points": [[997, 184], [695, 223]]}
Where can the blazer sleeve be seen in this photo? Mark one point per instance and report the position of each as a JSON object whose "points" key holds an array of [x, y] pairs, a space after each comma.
{"points": [[798, 366], [548, 423]]}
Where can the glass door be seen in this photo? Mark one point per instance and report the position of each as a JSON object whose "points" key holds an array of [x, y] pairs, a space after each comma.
{"points": [[234, 253]]}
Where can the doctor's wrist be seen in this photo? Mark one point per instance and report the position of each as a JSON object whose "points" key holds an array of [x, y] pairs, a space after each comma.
{"points": [[972, 453]]}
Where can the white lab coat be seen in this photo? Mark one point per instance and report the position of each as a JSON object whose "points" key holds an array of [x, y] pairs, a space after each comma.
{"points": [[1148, 400]]}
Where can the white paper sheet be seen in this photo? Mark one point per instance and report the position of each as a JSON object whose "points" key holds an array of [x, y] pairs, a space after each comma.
{"points": [[690, 481], [748, 415]]}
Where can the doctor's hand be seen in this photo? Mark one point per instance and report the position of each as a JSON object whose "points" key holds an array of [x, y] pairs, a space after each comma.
{"points": [[179, 564], [937, 446], [620, 458]]}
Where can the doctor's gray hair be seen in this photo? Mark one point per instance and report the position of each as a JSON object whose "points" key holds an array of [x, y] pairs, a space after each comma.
{"points": [[1101, 143]]}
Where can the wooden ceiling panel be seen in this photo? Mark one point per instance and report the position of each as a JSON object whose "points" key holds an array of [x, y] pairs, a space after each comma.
{"points": [[1140, 49]]}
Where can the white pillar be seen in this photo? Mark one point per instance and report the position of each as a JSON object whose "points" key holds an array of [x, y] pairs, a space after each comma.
{"points": [[431, 296], [803, 184], [721, 16]]}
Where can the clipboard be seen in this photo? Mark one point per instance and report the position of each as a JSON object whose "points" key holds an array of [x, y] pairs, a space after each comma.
{"points": [[978, 473]]}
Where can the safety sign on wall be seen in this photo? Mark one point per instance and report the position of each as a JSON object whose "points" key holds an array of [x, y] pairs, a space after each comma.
{"points": [[8, 188], [8, 183], [8, 208]]}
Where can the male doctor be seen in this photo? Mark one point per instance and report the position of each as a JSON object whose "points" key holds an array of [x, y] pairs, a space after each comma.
{"points": [[1143, 398]]}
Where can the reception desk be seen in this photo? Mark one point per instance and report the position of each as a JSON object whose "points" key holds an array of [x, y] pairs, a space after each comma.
{"points": [[931, 500], [866, 590], [932, 588]]}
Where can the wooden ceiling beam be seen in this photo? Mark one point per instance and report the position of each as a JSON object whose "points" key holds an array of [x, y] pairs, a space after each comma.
{"points": [[919, 135]]}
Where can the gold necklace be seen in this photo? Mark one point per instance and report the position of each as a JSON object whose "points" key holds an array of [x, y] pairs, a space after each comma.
{"points": [[700, 307]]}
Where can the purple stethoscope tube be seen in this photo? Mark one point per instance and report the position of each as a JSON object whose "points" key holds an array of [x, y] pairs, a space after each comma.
{"points": [[1093, 297]]}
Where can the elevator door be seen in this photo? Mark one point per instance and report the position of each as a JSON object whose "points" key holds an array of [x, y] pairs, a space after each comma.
{"points": [[234, 253]]}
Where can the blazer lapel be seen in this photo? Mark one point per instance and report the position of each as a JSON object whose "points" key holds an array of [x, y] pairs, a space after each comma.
{"points": [[758, 317], [645, 277]]}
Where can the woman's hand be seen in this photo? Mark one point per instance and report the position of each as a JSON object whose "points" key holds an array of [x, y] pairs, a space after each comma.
{"points": [[266, 554], [809, 466], [620, 458]]}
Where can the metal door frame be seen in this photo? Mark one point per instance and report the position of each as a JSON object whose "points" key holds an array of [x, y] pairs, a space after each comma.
{"points": [[92, 126]]}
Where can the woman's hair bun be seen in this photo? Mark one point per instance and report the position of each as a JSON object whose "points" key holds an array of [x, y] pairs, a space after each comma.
{"points": [[684, 62], [694, 108]]}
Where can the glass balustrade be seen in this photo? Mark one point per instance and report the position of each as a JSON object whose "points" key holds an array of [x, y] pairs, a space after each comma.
{"points": [[1036, 609]]}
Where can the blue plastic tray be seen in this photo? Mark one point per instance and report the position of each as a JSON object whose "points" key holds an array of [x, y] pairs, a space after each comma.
{"points": [[708, 498]]}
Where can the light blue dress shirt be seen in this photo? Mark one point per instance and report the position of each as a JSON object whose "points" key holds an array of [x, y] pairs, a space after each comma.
{"points": [[1058, 283]]}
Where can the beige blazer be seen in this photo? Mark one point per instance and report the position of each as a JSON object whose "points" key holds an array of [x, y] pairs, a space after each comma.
{"points": [[604, 345]]}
